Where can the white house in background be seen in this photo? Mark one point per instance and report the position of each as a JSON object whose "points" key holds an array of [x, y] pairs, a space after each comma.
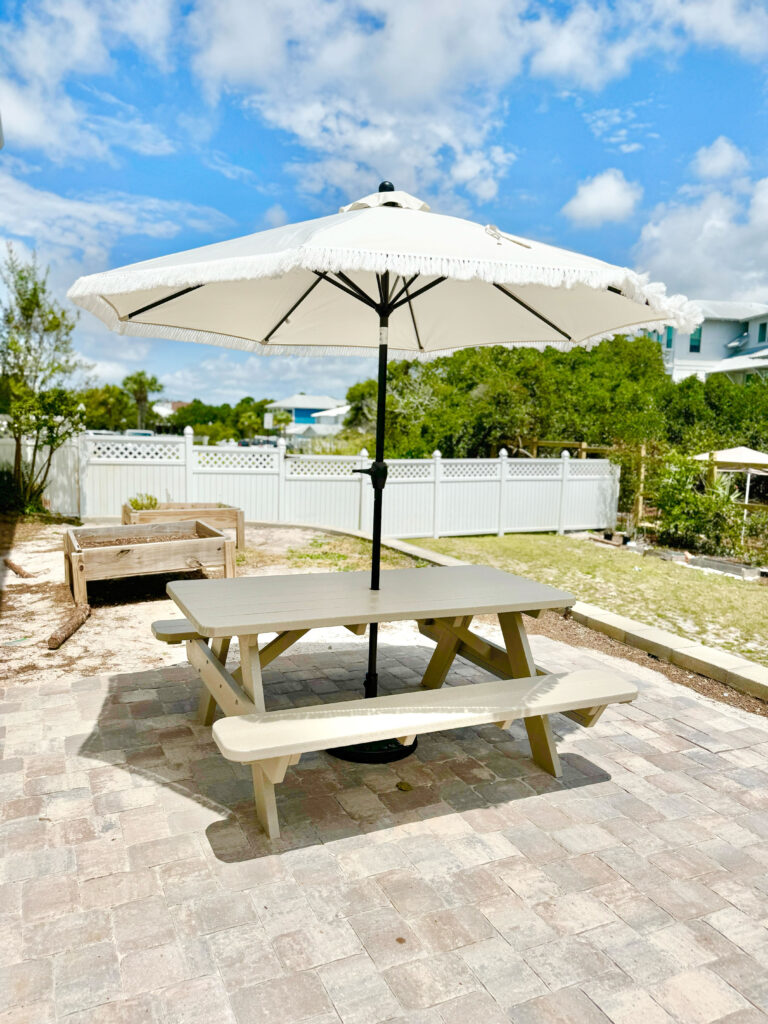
{"points": [[302, 408], [732, 339], [330, 420]]}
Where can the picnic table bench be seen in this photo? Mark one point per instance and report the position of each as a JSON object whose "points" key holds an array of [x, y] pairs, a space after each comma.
{"points": [[443, 602]]}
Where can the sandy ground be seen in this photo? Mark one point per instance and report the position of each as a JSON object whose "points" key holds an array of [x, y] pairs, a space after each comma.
{"points": [[117, 636]]}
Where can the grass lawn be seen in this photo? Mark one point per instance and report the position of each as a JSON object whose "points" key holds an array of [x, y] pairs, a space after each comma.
{"points": [[716, 610], [327, 552]]}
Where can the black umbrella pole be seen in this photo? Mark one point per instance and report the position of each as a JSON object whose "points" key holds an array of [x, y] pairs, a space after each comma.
{"points": [[378, 751], [378, 479]]}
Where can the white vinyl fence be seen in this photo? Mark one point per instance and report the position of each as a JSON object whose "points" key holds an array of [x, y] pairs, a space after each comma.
{"points": [[93, 476]]}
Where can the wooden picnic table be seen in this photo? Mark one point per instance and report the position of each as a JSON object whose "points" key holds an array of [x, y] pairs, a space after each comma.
{"points": [[442, 601]]}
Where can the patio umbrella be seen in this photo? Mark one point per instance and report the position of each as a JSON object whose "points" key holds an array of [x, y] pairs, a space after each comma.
{"points": [[387, 275]]}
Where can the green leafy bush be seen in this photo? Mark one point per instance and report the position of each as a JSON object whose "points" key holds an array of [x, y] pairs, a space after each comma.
{"points": [[697, 515], [142, 501]]}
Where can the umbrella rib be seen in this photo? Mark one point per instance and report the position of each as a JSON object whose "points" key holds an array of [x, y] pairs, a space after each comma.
{"points": [[531, 310], [405, 286], [413, 318], [366, 299], [360, 292], [161, 302], [420, 291], [294, 307]]}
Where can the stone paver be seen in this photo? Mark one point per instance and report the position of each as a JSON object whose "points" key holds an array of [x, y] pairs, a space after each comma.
{"points": [[135, 884]]}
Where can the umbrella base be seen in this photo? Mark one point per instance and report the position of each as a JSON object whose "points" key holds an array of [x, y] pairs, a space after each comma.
{"points": [[378, 752]]}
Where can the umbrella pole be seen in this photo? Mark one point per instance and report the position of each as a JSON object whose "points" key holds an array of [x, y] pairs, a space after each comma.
{"points": [[378, 474], [379, 751]]}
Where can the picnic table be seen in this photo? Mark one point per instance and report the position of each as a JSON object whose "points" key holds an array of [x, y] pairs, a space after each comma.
{"points": [[441, 600]]}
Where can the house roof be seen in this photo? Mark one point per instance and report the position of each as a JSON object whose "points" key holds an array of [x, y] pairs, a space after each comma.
{"points": [[305, 402], [339, 410], [749, 362], [713, 309]]}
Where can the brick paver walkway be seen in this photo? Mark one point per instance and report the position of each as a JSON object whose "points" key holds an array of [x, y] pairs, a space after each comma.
{"points": [[460, 885]]}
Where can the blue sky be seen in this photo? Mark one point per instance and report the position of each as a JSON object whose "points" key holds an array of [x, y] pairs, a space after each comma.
{"points": [[634, 130]]}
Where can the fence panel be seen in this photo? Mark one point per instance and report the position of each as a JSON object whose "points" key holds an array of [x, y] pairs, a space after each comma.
{"points": [[62, 492], [468, 496], [531, 500], [322, 490], [245, 477], [409, 503], [93, 476], [117, 468]]}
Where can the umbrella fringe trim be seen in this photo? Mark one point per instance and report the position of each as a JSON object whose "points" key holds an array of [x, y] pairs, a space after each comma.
{"points": [[106, 313], [675, 309]]}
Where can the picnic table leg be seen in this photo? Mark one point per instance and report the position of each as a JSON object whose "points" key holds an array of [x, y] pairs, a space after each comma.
{"points": [[206, 709], [543, 750], [443, 657], [250, 670]]}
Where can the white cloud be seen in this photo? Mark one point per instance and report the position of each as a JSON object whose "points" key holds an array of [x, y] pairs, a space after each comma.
{"points": [[275, 216], [606, 197], [75, 235], [720, 160], [56, 40], [619, 128], [87, 227], [371, 93], [711, 245]]}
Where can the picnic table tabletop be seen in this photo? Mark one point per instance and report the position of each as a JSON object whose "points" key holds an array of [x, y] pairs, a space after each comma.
{"points": [[264, 604]]}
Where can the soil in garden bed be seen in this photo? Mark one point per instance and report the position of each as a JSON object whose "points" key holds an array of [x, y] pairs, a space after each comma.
{"points": [[120, 542]]}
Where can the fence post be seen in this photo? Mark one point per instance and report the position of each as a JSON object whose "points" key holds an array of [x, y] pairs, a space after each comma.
{"points": [[363, 481], [438, 474], [640, 497], [565, 457], [189, 438], [503, 456], [280, 479], [82, 469]]}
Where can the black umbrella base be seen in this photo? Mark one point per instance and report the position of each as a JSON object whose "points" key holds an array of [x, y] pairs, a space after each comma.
{"points": [[377, 752]]}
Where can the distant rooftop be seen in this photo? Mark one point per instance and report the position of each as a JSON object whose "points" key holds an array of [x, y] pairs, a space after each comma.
{"points": [[306, 402], [712, 309], [339, 410]]}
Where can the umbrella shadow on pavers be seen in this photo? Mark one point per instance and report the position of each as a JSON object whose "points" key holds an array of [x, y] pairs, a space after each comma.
{"points": [[145, 726]]}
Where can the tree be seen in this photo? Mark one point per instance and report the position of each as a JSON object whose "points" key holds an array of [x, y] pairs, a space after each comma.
{"points": [[108, 408], [140, 386], [36, 361]]}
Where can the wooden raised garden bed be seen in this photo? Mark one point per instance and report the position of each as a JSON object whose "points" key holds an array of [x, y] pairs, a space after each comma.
{"points": [[222, 516], [112, 552]]}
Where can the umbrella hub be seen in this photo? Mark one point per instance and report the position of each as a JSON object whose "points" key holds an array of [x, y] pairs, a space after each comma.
{"points": [[387, 195]]}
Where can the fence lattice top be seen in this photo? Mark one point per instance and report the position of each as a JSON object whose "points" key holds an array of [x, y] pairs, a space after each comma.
{"points": [[136, 450], [252, 459]]}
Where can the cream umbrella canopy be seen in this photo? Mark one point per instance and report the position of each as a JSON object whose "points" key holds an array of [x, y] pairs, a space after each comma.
{"points": [[387, 275]]}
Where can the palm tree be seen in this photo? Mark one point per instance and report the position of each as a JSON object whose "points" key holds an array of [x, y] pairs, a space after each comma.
{"points": [[140, 386]]}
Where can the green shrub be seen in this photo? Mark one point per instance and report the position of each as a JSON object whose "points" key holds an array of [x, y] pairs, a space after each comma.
{"points": [[143, 501], [694, 514]]}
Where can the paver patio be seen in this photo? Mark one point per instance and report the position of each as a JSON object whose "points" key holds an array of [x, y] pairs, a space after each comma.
{"points": [[460, 884]]}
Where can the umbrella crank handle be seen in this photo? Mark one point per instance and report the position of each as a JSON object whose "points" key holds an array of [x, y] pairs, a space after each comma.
{"points": [[377, 471]]}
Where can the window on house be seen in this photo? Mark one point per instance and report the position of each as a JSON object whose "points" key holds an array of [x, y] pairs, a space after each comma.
{"points": [[695, 343], [670, 336], [761, 333]]}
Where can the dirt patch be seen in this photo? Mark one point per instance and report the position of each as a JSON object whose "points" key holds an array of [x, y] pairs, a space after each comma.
{"points": [[129, 539]]}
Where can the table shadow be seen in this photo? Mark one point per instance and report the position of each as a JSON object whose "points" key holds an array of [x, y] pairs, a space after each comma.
{"points": [[146, 725]]}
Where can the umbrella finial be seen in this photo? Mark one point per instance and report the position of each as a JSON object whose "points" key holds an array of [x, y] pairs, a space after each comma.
{"points": [[386, 186]]}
